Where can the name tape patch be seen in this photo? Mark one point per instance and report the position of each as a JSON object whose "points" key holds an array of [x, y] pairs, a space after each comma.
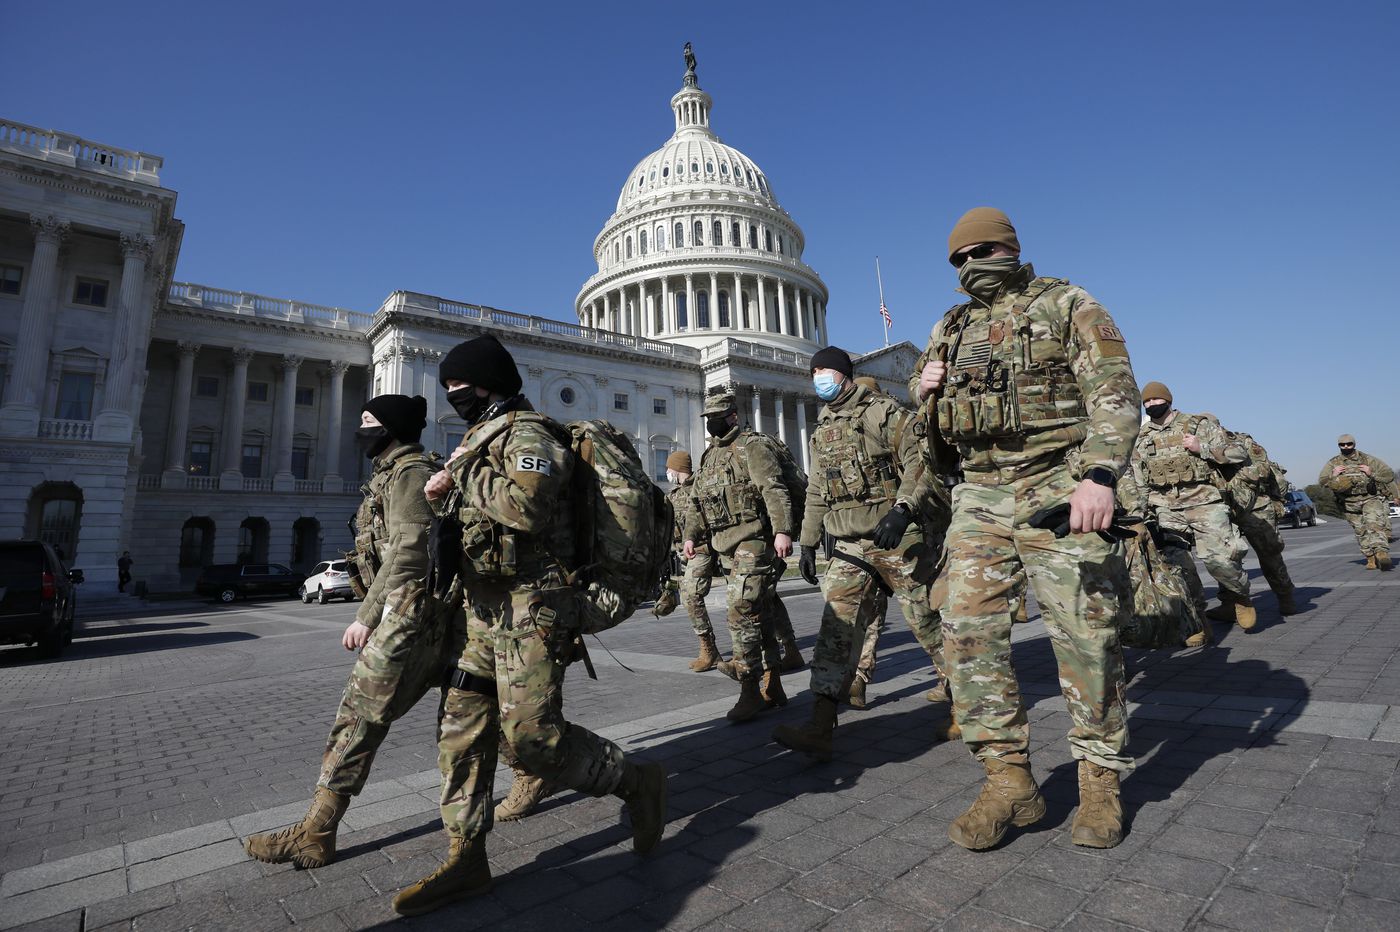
{"points": [[528, 462]]}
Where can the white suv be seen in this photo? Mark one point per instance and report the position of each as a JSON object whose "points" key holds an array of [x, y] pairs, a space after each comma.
{"points": [[328, 580]]}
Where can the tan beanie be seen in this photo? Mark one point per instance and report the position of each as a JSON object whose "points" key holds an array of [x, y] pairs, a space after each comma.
{"points": [[1346, 438], [679, 460], [1156, 390], [983, 225]]}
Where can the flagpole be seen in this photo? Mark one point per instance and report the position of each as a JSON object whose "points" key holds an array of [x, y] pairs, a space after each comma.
{"points": [[880, 282]]}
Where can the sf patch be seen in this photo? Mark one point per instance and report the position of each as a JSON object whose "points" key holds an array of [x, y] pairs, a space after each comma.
{"points": [[1110, 342], [530, 462]]}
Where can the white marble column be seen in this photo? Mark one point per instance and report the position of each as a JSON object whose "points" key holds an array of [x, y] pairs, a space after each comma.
{"points": [[668, 311], [736, 303], [714, 301], [232, 475], [616, 313], [762, 304], [757, 409], [285, 424], [175, 464], [803, 434], [115, 422], [25, 392], [779, 414], [782, 306], [692, 319], [335, 377]]}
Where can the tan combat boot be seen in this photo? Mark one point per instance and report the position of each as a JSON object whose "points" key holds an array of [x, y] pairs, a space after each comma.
{"points": [[813, 738], [709, 654], [938, 693], [729, 668], [1245, 616], [527, 791], [1201, 638], [750, 701], [309, 843], [948, 730], [1286, 604], [1370, 561], [1099, 821], [1009, 797], [643, 789], [465, 873], [772, 689], [792, 656], [1022, 614], [856, 694], [1383, 560]]}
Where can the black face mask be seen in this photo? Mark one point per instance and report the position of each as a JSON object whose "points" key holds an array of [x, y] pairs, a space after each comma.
{"points": [[717, 425], [1158, 410], [467, 403], [373, 441]]}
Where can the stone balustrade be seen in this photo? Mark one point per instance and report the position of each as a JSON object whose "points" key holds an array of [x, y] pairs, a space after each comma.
{"points": [[149, 482], [68, 149], [732, 347], [248, 304], [59, 429]]}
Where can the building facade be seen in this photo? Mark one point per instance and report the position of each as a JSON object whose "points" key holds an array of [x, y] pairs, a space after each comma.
{"points": [[193, 425]]}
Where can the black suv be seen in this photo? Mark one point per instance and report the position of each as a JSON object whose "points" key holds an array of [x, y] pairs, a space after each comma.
{"points": [[1298, 510], [229, 581], [36, 596]]}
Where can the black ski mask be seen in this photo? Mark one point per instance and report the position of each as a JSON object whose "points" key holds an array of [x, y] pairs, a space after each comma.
{"points": [[467, 403], [373, 441], [717, 425]]}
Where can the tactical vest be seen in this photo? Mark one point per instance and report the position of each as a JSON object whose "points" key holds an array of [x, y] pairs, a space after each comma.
{"points": [[851, 466], [723, 489], [371, 526], [1165, 460], [1008, 374], [1352, 483]]}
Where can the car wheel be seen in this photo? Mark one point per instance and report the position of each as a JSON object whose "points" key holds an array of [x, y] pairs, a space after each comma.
{"points": [[51, 644], [1297, 520], [305, 596], [227, 595], [1312, 520], [321, 597]]}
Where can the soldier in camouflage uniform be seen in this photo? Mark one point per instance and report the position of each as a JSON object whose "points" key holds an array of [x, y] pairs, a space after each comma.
{"points": [[400, 635], [1254, 491], [864, 490], [743, 507], [1031, 387], [1175, 461], [508, 486], [699, 569], [1363, 486], [1169, 588]]}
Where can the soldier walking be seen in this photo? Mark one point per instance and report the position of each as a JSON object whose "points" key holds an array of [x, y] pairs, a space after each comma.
{"points": [[1254, 491], [699, 569], [864, 490], [1176, 461], [1063, 435], [399, 633], [507, 486], [743, 507], [1363, 486]]}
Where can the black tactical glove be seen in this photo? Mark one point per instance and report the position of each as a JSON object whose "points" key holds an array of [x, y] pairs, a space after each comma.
{"points": [[890, 531], [807, 564]]}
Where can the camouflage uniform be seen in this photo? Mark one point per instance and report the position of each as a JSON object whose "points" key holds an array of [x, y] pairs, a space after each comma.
{"points": [[1254, 492], [1182, 490], [405, 654], [1363, 499], [740, 503], [866, 458], [1039, 391], [1167, 593], [519, 624], [699, 569]]}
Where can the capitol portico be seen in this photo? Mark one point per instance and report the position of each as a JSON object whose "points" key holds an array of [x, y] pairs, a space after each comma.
{"points": [[194, 425]]}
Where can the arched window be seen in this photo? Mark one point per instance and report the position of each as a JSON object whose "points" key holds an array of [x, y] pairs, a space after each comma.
{"points": [[780, 244], [666, 172], [253, 536], [744, 304], [197, 542], [629, 247], [710, 168], [717, 234], [306, 543], [660, 238], [748, 174], [768, 240], [55, 517], [753, 237], [735, 238], [642, 242], [699, 236], [724, 169], [791, 319], [680, 233], [702, 310], [724, 309], [695, 167], [617, 252], [761, 185], [681, 323]]}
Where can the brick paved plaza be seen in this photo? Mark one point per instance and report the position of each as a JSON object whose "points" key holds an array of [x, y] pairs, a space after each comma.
{"points": [[1266, 795]]}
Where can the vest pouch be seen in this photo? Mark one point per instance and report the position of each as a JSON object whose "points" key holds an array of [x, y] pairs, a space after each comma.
{"points": [[964, 417], [835, 485], [854, 478], [714, 505], [992, 414], [947, 414]]}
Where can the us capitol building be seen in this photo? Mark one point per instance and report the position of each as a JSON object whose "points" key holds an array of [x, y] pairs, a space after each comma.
{"points": [[192, 424]]}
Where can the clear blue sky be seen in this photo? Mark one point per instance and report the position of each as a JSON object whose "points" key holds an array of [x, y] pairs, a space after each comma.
{"points": [[1222, 176]]}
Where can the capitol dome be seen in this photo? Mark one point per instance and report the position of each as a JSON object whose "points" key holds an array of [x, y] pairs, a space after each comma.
{"points": [[698, 248]]}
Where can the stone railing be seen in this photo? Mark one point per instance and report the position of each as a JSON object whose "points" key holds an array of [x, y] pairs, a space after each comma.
{"points": [[306, 485], [202, 483], [257, 485], [417, 303], [148, 482], [350, 487], [707, 253], [255, 305], [67, 149], [733, 347], [59, 429]]}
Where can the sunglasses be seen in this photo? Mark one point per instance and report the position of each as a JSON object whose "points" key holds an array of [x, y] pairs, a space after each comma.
{"points": [[1346, 446], [980, 251]]}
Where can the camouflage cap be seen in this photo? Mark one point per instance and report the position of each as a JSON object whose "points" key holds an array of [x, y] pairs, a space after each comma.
{"points": [[721, 403], [1346, 438]]}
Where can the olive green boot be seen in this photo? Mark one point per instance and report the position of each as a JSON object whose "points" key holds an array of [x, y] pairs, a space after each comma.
{"points": [[311, 842], [813, 738], [709, 654], [465, 873], [750, 701], [1099, 821], [792, 656], [643, 790], [527, 791], [1009, 797], [772, 689]]}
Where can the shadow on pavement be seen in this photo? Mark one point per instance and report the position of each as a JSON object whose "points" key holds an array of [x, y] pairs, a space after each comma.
{"points": [[88, 632], [87, 648]]}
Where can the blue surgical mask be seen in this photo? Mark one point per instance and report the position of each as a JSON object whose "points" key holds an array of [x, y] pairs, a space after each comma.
{"points": [[826, 385]]}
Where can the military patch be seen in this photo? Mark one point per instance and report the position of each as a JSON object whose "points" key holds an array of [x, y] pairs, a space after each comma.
{"points": [[1109, 332], [1109, 341], [528, 462], [833, 434], [996, 333]]}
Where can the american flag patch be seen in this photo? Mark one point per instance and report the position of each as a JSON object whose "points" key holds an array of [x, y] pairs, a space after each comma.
{"points": [[974, 354]]}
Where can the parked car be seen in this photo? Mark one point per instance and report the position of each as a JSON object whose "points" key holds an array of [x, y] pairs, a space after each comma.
{"points": [[37, 598], [1298, 510], [1394, 510], [229, 581], [329, 579]]}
